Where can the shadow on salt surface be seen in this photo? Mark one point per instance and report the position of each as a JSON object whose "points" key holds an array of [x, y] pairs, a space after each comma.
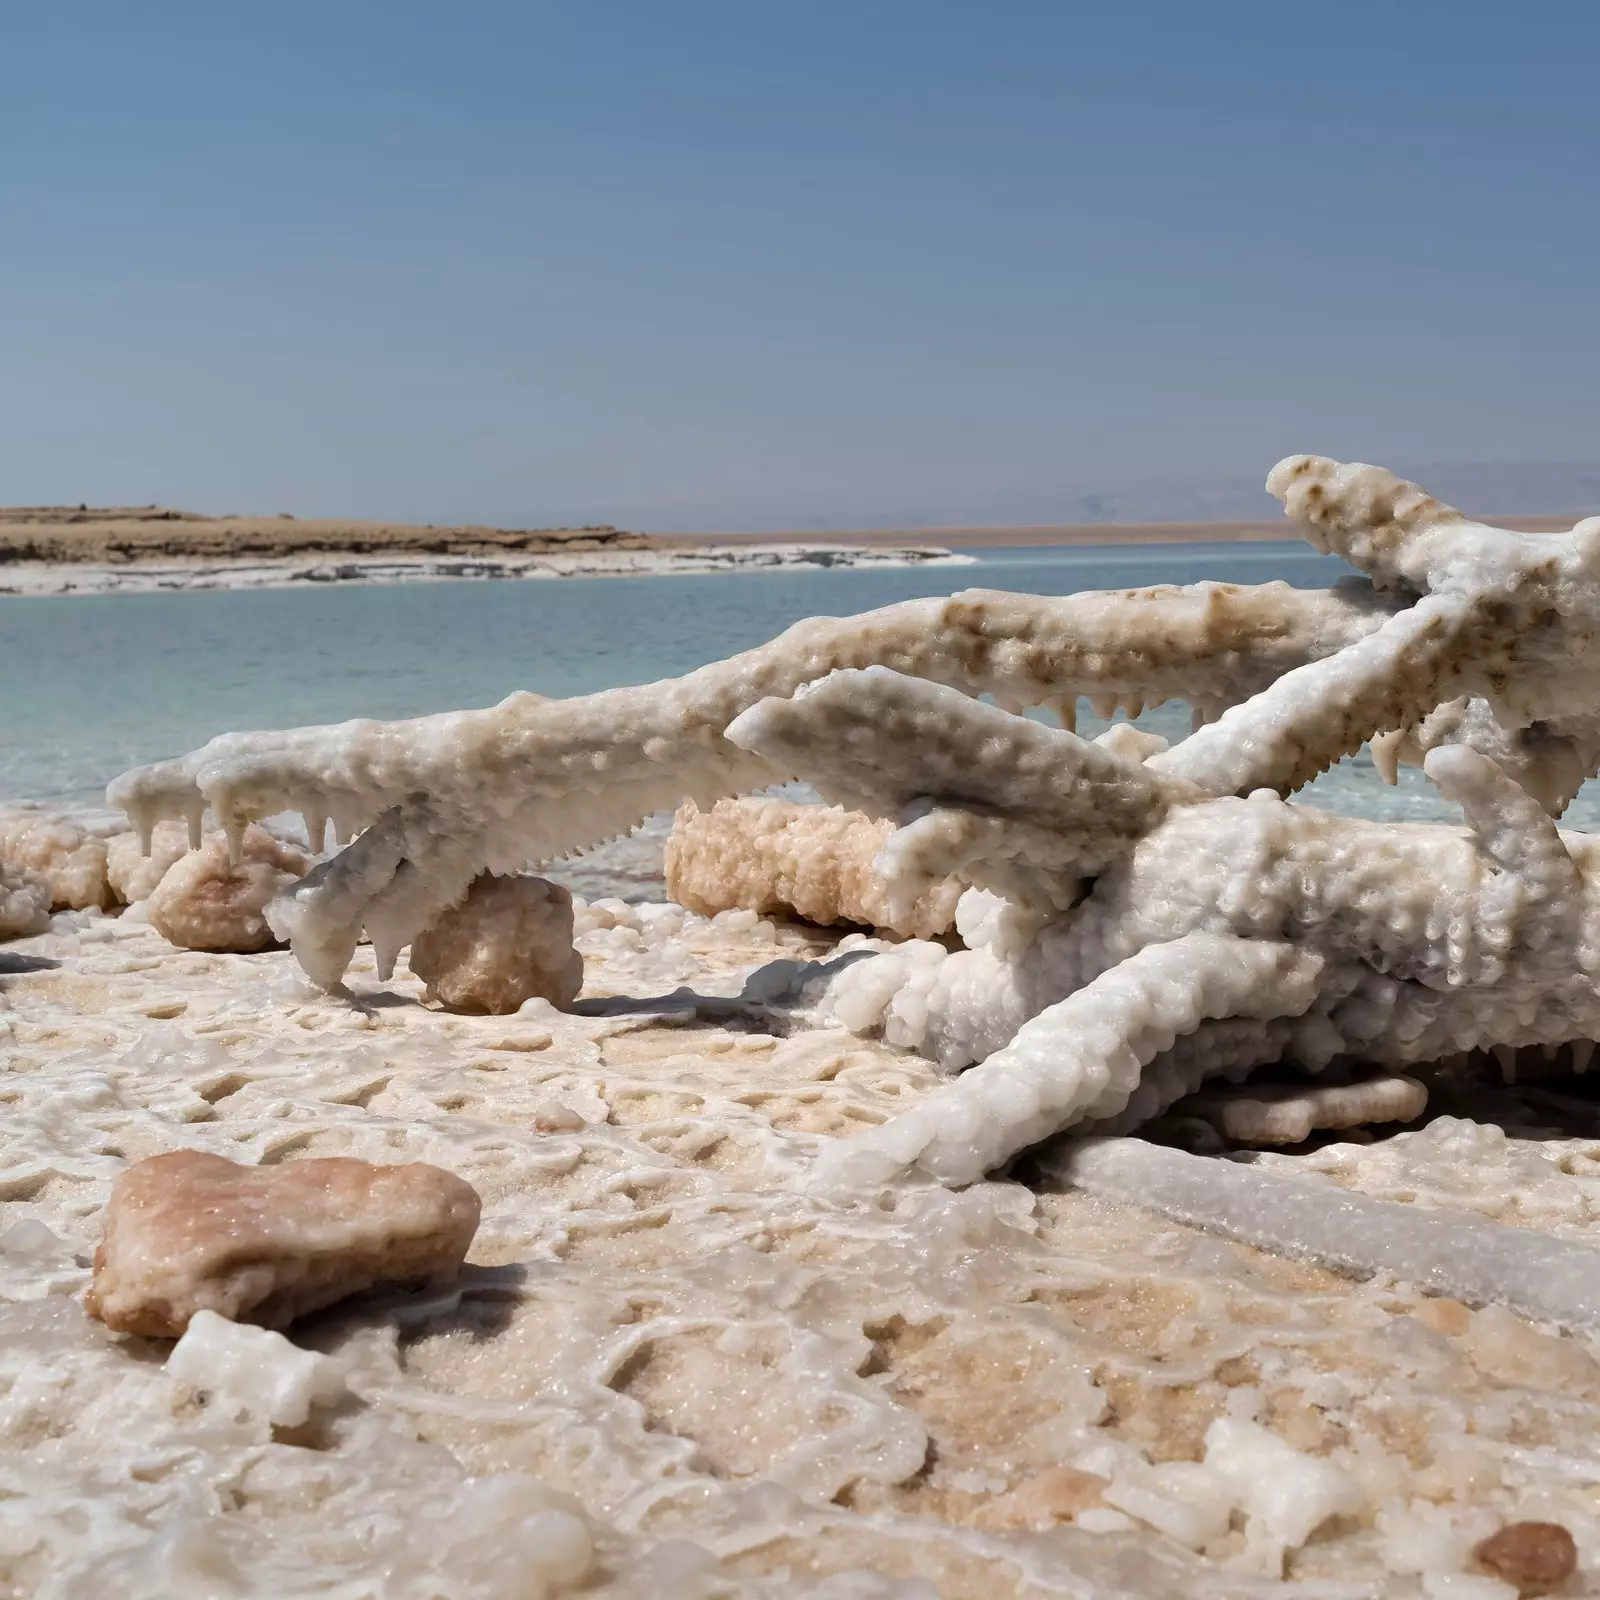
{"points": [[766, 987], [14, 963]]}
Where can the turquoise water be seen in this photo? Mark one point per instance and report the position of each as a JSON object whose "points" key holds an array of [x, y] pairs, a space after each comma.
{"points": [[90, 685]]}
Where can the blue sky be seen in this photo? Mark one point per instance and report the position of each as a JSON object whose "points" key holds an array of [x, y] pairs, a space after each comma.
{"points": [[682, 264]]}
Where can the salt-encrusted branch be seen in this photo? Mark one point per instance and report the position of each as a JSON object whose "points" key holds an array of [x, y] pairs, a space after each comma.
{"points": [[878, 741], [1079, 1060]]}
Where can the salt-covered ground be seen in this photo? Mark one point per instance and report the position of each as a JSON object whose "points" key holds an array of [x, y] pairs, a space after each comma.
{"points": [[179, 576], [668, 1374]]}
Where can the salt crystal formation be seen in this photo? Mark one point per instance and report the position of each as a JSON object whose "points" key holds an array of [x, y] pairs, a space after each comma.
{"points": [[25, 899], [209, 901], [189, 1232], [1141, 919], [508, 942], [69, 858], [773, 856]]}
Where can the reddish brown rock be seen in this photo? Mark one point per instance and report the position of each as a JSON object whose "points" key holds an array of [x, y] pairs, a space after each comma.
{"points": [[508, 942], [1533, 1557], [187, 1232]]}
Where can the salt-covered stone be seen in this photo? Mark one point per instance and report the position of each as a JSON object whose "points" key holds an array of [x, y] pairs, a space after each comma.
{"points": [[255, 1369], [508, 942], [773, 856], [187, 1232], [132, 874], [64, 853], [25, 898], [206, 901]]}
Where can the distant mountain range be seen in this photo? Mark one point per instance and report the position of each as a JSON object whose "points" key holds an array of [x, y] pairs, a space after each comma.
{"points": [[1507, 488]]}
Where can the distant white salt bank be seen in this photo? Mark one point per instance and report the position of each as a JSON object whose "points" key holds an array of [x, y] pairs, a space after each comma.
{"points": [[166, 577]]}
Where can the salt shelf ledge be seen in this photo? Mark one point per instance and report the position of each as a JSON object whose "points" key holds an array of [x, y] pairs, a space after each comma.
{"points": [[146, 577]]}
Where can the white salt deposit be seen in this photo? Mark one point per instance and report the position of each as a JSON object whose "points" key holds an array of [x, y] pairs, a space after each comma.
{"points": [[255, 1369]]}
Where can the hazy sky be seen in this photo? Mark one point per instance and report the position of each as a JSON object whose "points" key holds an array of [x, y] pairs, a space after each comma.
{"points": [[783, 262]]}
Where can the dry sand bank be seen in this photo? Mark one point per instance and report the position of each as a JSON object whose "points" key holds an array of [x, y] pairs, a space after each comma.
{"points": [[60, 551], [116, 535]]}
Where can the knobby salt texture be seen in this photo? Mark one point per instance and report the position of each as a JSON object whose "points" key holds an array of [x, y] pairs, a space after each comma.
{"points": [[508, 942], [817, 862], [207, 900]]}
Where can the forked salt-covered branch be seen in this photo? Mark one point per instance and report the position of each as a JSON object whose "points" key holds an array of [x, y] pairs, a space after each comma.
{"points": [[1139, 918]]}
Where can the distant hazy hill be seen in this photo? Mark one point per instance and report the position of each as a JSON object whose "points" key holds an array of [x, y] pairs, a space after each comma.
{"points": [[1526, 488]]}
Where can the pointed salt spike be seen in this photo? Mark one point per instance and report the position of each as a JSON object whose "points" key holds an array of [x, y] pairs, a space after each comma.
{"points": [[1104, 706], [1197, 719], [1582, 1052], [234, 825], [145, 823], [1506, 1055], [316, 821], [1136, 707], [1385, 749], [1549, 1050], [1009, 702], [385, 955], [1067, 714], [195, 817]]}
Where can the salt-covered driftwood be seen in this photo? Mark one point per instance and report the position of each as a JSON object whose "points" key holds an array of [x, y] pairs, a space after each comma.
{"points": [[1140, 918]]}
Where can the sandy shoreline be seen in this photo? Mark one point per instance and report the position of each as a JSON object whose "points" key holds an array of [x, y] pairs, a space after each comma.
{"points": [[45, 578]]}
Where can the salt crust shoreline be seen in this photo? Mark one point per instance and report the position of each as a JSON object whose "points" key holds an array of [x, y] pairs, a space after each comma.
{"points": [[39, 578], [708, 1383]]}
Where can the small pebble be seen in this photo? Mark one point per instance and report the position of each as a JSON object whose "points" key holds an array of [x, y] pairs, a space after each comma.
{"points": [[1534, 1557]]}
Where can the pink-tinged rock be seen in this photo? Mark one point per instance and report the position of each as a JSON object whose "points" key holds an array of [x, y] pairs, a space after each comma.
{"points": [[188, 1232], [207, 902], [508, 942], [68, 857]]}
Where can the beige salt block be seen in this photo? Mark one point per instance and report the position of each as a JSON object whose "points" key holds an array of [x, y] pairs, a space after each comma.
{"points": [[508, 942], [187, 1232], [205, 901]]}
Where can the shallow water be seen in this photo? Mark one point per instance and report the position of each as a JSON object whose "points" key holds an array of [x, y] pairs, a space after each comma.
{"points": [[91, 685]]}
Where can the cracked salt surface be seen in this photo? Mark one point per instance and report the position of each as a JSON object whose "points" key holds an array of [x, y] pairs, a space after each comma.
{"points": [[668, 1372]]}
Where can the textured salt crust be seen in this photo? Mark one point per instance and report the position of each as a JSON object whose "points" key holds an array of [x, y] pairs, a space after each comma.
{"points": [[745, 1391]]}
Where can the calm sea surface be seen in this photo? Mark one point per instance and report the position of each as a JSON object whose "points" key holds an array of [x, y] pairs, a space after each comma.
{"points": [[89, 686]]}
